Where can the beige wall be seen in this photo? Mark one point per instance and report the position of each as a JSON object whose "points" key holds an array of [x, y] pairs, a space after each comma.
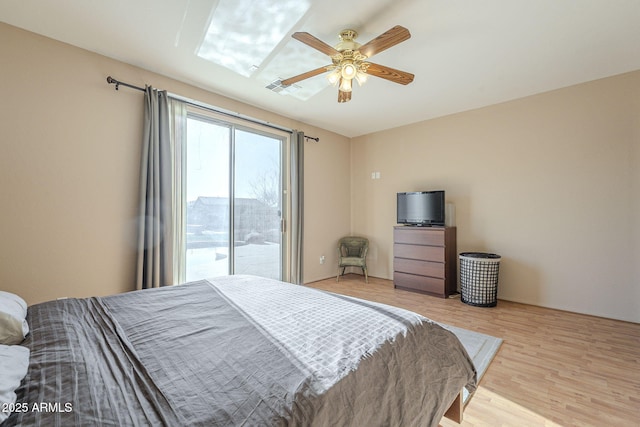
{"points": [[69, 161], [550, 182]]}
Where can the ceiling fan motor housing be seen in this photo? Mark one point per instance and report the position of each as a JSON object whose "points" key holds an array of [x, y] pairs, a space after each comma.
{"points": [[347, 41]]}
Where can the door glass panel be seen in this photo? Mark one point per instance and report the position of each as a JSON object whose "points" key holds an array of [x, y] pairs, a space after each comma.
{"points": [[208, 194], [257, 205]]}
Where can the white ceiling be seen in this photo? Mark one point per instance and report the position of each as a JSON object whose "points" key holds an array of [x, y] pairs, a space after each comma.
{"points": [[464, 54]]}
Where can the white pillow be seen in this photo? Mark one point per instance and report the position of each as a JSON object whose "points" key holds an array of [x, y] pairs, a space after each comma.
{"points": [[13, 323], [14, 361]]}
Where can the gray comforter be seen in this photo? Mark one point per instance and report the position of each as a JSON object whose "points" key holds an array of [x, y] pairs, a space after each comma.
{"points": [[234, 351]]}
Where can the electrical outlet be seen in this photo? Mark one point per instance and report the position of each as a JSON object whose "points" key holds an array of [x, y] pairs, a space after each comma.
{"points": [[322, 259]]}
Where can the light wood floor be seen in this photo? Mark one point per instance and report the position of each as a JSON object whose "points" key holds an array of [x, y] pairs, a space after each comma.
{"points": [[554, 368]]}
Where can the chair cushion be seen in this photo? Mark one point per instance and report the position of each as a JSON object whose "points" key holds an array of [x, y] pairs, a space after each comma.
{"points": [[349, 261]]}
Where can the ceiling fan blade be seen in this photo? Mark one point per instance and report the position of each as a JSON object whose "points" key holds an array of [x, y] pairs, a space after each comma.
{"points": [[390, 74], [344, 96], [295, 79], [315, 43], [384, 41]]}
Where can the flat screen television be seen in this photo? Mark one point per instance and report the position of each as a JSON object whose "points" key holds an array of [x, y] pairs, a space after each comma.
{"points": [[423, 208]]}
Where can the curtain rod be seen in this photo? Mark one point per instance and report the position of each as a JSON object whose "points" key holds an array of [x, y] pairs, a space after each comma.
{"points": [[111, 80]]}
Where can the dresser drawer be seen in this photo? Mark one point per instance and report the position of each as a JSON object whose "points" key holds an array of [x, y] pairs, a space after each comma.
{"points": [[430, 285], [424, 253], [422, 268], [419, 236]]}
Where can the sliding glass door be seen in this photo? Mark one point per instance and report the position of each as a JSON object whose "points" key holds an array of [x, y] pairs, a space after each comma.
{"points": [[257, 205], [234, 199]]}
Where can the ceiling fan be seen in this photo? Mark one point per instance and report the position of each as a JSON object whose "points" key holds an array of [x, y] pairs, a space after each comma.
{"points": [[349, 60]]}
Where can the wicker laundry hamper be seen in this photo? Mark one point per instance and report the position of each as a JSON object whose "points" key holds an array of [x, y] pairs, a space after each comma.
{"points": [[479, 278]]}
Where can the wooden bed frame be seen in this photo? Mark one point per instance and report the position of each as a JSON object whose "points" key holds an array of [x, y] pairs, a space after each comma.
{"points": [[456, 409]]}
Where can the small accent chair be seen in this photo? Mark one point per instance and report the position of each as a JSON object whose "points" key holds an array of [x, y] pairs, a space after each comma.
{"points": [[352, 252]]}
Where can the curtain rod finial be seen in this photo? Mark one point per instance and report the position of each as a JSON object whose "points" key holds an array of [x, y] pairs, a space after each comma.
{"points": [[113, 81], [110, 80]]}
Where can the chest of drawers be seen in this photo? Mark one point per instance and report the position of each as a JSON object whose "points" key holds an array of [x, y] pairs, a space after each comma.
{"points": [[425, 260]]}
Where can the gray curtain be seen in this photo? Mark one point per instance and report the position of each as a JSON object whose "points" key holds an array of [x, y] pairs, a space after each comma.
{"points": [[297, 206], [155, 246]]}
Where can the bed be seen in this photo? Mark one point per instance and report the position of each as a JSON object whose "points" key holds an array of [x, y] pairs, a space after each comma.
{"points": [[237, 350]]}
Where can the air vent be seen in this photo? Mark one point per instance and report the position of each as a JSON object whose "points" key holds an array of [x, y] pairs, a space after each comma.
{"points": [[277, 87]]}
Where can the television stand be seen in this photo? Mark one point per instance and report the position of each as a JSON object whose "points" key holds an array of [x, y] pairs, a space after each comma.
{"points": [[425, 260]]}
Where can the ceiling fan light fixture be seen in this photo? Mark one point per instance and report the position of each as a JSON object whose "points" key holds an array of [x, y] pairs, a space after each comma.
{"points": [[349, 70], [361, 77], [334, 76], [345, 85]]}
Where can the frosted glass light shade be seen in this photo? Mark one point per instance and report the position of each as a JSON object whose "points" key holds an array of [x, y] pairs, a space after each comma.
{"points": [[349, 71], [334, 77], [345, 85]]}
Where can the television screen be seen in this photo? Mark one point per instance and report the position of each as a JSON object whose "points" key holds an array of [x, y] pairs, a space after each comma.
{"points": [[421, 208]]}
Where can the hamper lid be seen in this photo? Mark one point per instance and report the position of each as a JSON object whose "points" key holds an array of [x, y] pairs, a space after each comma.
{"points": [[480, 256]]}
